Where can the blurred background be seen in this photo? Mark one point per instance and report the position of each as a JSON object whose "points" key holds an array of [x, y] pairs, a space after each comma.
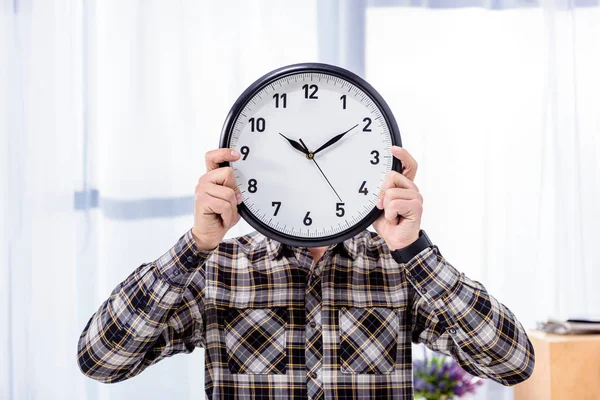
{"points": [[107, 108]]}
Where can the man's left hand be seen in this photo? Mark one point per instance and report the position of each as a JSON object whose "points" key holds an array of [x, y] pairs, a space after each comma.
{"points": [[400, 223]]}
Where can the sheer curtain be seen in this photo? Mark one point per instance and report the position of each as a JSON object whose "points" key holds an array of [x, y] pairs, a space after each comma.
{"points": [[106, 111], [40, 116], [500, 108]]}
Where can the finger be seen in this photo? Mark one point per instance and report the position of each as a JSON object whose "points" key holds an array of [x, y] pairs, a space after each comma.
{"points": [[396, 180], [402, 194], [224, 193], [403, 208], [222, 176], [215, 157], [219, 207], [409, 164]]}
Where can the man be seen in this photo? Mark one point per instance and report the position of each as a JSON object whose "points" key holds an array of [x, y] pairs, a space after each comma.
{"points": [[294, 323]]}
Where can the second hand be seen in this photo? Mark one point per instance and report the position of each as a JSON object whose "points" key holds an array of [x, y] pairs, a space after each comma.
{"points": [[324, 176]]}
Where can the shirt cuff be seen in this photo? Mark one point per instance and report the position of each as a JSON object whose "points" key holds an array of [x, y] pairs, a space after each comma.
{"points": [[430, 275], [178, 264]]}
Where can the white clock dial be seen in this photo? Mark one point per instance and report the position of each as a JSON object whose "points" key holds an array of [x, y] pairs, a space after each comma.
{"points": [[305, 195]]}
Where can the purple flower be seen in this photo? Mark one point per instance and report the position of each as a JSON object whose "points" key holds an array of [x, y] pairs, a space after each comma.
{"points": [[418, 365], [446, 367], [432, 369], [459, 390], [419, 384], [473, 384], [438, 375], [454, 374]]}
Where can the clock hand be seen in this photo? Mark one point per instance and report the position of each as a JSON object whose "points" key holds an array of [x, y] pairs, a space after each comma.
{"points": [[310, 156], [295, 144], [333, 140]]}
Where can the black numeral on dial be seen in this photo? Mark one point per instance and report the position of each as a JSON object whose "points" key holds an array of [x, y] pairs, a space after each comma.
{"points": [[313, 94], [307, 220], [375, 159], [245, 150], [280, 98], [343, 99], [363, 189], [252, 186], [277, 205], [258, 124], [367, 125], [339, 208]]}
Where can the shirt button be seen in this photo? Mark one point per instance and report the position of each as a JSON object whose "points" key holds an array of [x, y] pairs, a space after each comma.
{"points": [[452, 331], [423, 290], [147, 309], [176, 272], [313, 375], [313, 324], [190, 259]]}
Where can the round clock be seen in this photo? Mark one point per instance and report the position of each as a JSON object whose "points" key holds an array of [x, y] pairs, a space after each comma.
{"points": [[315, 143]]}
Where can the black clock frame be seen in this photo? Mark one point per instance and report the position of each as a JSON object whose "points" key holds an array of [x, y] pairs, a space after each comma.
{"points": [[294, 69]]}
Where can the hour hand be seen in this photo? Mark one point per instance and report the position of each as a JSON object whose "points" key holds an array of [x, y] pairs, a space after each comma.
{"points": [[333, 140], [295, 144]]}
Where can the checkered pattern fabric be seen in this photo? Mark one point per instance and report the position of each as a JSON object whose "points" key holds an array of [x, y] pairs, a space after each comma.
{"points": [[314, 337], [368, 340], [276, 325], [256, 340]]}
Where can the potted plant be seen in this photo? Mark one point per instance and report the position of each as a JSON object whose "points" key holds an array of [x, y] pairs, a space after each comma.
{"points": [[438, 377]]}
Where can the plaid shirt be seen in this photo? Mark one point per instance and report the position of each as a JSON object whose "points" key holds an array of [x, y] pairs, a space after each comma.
{"points": [[275, 325]]}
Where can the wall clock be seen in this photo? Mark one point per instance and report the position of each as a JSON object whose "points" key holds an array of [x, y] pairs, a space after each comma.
{"points": [[315, 143]]}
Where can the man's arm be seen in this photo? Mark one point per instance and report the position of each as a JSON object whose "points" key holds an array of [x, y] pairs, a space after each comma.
{"points": [[158, 310], [456, 316], [451, 314], [155, 313]]}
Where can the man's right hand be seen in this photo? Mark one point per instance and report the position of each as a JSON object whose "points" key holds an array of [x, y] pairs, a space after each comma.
{"points": [[216, 200]]}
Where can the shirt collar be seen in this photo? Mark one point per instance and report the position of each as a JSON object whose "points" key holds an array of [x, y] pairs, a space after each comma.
{"points": [[277, 249]]}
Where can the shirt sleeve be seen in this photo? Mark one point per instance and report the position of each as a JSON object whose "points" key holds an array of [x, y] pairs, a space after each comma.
{"points": [[155, 313], [457, 316]]}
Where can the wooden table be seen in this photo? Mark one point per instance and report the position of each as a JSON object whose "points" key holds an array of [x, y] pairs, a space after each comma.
{"points": [[567, 367]]}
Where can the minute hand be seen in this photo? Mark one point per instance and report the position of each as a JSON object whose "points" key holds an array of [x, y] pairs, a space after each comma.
{"points": [[333, 140], [322, 173]]}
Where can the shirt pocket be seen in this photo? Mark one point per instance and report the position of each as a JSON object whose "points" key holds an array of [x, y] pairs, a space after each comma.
{"points": [[256, 340], [368, 340]]}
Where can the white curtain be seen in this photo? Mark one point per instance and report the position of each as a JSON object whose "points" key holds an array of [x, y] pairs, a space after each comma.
{"points": [[106, 111], [40, 115], [500, 108]]}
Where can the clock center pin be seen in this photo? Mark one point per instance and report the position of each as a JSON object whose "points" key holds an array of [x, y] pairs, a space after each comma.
{"points": [[310, 156]]}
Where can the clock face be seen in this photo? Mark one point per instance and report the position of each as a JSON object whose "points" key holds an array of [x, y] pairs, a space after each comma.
{"points": [[316, 148]]}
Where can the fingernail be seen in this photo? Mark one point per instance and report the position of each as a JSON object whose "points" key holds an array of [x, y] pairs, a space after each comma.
{"points": [[239, 198], [235, 153], [379, 203]]}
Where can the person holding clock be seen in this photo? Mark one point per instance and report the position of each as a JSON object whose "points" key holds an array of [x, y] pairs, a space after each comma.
{"points": [[311, 305]]}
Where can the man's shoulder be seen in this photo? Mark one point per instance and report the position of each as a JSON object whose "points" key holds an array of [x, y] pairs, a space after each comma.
{"points": [[369, 243], [371, 237], [248, 242]]}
